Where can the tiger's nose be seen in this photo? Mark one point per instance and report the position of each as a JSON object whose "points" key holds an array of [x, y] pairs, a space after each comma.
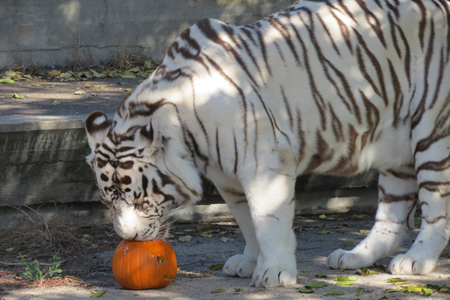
{"points": [[125, 233], [124, 180], [126, 224]]}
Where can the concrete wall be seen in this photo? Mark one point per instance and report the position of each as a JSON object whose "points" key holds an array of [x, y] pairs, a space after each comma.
{"points": [[45, 165], [51, 33]]}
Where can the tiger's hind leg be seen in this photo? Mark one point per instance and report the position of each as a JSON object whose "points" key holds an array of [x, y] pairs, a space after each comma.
{"points": [[433, 173], [397, 192]]}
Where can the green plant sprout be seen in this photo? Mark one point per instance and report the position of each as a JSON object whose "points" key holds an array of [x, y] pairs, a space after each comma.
{"points": [[33, 270]]}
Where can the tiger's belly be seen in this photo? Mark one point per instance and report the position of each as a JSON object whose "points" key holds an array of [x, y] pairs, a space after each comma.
{"points": [[393, 149], [390, 148]]}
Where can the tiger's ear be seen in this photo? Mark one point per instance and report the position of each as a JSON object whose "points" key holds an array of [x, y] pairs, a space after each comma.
{"points": [[97, 126], [148, 139]]}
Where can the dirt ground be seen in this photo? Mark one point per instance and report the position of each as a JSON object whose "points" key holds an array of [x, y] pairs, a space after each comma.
{"points": [[86, 252]]}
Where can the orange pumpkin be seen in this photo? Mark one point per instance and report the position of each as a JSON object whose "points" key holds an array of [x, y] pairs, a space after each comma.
{"points": [[143, 265]]}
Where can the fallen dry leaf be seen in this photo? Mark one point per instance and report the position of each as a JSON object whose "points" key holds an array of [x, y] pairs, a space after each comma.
{"points": [[186, 238], [206, 234], [334, 293], [134, 70], [324, 232], [54, 73], [343, 278], [7, 80], [319, 225], [361, 292], [298, 228], [365, 271], [103, 86], [215, 267], [17, 96], [65, 75], [316, 285], [98, 294], [128, 76], [357, 217], [10, 73], [380, 267]]}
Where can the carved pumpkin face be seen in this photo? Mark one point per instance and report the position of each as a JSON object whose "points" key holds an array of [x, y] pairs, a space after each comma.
{"points": [[143, 265]]}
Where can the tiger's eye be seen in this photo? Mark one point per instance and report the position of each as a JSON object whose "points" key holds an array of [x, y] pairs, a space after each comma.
{"points": [[104, 177], [101, 163], [126, 165]]}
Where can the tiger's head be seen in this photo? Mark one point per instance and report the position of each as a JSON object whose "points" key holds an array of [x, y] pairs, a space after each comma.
{"points": [[143, 171]]}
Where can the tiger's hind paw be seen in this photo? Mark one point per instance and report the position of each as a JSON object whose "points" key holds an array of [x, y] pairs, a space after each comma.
{"points": [[406, 264], [341, 259], [240, 265]]}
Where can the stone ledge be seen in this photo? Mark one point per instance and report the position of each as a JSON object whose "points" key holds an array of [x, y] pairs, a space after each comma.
{"points": [[211, 209]]}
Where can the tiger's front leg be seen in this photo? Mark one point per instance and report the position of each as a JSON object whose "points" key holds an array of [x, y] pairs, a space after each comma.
{"points": [[230, 189], [394, 219], [241, 265], [270, 198]]}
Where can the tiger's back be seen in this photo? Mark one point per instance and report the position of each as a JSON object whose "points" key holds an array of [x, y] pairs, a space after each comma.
{"points": [[333, 87], [324, 80]]}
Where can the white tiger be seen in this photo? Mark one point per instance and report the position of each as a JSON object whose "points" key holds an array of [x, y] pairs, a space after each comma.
{"points": [[333, 87]]}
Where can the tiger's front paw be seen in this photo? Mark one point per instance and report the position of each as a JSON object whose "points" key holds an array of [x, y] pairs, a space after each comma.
{"points": [[240, 265], [272, 276], [409, 264], [341, 259]]}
